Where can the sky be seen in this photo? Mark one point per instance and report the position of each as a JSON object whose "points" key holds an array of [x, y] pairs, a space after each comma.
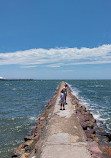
{"points": [[55, 39]]}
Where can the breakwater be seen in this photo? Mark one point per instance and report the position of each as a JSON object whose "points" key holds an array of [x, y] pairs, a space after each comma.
{"points": [[97, 143], [98, 140], [34, 142]]}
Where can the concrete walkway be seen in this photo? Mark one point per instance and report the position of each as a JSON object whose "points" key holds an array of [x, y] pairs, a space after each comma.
{"points": [[64, 137]]}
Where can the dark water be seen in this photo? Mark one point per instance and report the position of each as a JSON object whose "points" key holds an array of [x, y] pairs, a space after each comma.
{"points": [[21, 102], [96, 96]]}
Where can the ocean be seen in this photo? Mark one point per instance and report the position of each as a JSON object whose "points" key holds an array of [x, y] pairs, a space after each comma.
{"points": [[96, 96], [22, 102]]}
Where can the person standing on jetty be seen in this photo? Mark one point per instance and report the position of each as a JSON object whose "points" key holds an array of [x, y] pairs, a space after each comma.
{"points": [[65, 92], [62, 100]]}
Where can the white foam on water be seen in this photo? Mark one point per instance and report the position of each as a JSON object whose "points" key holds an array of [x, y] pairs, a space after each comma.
{"points": [[99, 112], [75, 91], [95, 86], [86, 103], [18, 127], [108, 127], [96, 116], [15, 118], [33, 118]]}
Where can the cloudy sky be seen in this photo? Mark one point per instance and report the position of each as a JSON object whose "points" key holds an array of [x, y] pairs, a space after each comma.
{"points": [[55, 39]]}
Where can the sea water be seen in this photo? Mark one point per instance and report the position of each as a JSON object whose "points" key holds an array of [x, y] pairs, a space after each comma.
{"points": [[21, 103], [96, 96]]}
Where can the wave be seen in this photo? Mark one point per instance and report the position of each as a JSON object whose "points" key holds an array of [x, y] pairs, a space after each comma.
{"points": [[95, 109], [33, 118], [95, 86], [75, 91]]}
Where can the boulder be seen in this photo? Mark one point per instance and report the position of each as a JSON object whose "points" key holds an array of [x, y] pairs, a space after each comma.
{"points": [[95, 138], [28, 145], [17, 153], [29, 142], [42, 118], [37, 145], [98, 129], [88, 117], [108, 135], [84, 125], [36, 137], [89, 133], [100, 121], [91, 123], [25, 155], [84, 108], [108, 149], [94, 148], [29, 138]]}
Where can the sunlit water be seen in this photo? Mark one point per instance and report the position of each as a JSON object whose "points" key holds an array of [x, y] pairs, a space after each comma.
{"points": [[96, 96], [21, 103]]}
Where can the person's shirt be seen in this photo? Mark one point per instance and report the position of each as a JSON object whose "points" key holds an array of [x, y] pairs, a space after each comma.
{"points": [[65, 90], [62, 96]]}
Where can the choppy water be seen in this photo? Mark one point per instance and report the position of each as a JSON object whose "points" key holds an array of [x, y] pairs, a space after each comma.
{"points": [[21, 102], [96, 96]]}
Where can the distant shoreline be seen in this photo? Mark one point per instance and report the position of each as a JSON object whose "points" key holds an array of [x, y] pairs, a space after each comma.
{"points": [[16, 79], [54, 79]]}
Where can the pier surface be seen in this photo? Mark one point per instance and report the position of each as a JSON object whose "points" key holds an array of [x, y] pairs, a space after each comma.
{"points": [[64, 136]]}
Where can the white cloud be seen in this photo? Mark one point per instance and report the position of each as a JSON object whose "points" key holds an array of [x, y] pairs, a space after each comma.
{"points": [[28, 66], [57, 57]]}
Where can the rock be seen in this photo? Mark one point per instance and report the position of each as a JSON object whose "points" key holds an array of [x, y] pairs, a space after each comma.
{"points": [[84, 108], [89, 133], [29, 142], [20, 146], [93, 120], [17, 152], [34, 130], [36, 137], [81, 117], [84, 125], [29, 138], [95, 138], [37, 145], [93, 147], [83, 112], [103, 138], [88, 117], [108, 149], [25, 155], [108, 135], [73, 102], [90, 124], [98, 129], [100, 121]]}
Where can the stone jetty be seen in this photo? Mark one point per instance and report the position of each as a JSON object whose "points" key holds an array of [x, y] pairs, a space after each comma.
{"points": [[69, 133]]}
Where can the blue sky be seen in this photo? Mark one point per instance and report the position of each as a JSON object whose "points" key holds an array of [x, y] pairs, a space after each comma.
{"points": [[55, 39]]}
